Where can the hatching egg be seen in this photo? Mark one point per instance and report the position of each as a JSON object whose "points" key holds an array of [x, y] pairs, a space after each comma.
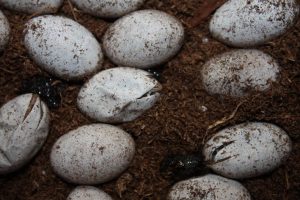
{"points": [[32, 6], [244, 23], [92, 154], [108, 8], [24, 126], [208, 187], [88, 193], [237, 72], [247, 150], [118, 95], [62, 47], [143, 39], [4, 31]]}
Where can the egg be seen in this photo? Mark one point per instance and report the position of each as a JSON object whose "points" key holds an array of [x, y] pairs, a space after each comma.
{"points": [[247, 150], [238, 72], [88, 193], [24, 126], [242, 23], [32, 6], [143, 39], [118, 95], [92, 154], [208, 187], [108, 8], [62, 47], [4, 31]]}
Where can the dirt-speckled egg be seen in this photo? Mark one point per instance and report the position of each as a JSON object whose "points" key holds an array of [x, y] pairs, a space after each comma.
{"points": [[208, 187], [88, 193], [4, 31], [244, 23], [32, 6], [118, 95], [247, 150], [92, 154], [24, 126], [108, 8], [143, 39], [237, 72], [62, 47]]}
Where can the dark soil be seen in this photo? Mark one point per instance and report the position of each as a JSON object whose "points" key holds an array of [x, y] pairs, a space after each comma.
{"points": [[177, 124]]}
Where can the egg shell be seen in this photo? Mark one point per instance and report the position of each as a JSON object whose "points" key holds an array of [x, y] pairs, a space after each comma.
{"points": [[32, 6], [143, 39], [62, 47], [237, 72], [108, 8], [24, 126], [242, 23], [92, 154], [118, 95], [88, 193], [4, 31], [247, 150], [208, 187]]}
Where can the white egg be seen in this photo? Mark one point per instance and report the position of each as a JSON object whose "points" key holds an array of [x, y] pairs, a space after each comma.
{"points": [[92, 154], [118, 95], [32, 6], [88, 193], [143, 39], [208, 187], [24, 126], [62, 47], [236, 73], [4, 31], [247, 150], [244, 23], [108, 8]]}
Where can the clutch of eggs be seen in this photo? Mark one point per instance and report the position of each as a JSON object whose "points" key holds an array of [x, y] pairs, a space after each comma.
{"points": [[32, 6], [247, 150], [4, 31], [62, 47], [24, 126], [143, 39], [242, 23]]}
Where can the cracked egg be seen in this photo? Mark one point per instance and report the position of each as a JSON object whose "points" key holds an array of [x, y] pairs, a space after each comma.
{"points": [[24, 126], [118, 95], [247, 150]]}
